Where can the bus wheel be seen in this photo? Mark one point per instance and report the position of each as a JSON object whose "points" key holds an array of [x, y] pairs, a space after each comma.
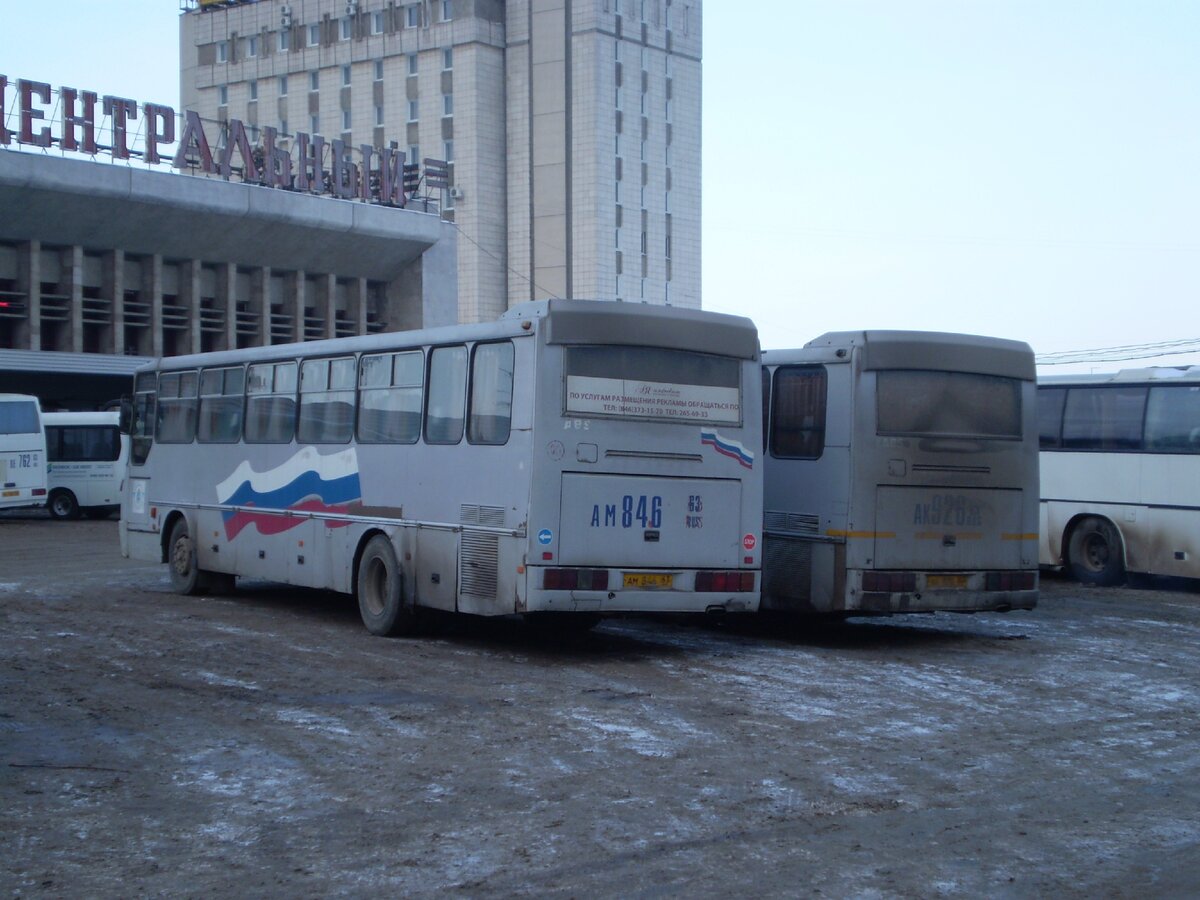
{"points": [[381, 590], [1094, 552], [63, 505], [181, 560]]}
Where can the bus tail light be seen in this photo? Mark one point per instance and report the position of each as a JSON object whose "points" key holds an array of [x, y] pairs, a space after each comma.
{"points": [[714, 582], [1011, 581], [39, 492], [575, 579], [889, 582]]}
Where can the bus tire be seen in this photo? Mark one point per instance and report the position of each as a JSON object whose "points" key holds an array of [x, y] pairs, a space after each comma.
{"points": [[1094, 552], [186, 578], [381, 590], [62, 504]]}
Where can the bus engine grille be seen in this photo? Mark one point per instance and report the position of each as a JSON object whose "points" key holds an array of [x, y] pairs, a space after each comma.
{"points": [[479, 554], [787, 569]]}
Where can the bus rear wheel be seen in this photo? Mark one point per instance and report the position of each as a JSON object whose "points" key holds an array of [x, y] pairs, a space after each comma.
{"points": [[62, 505], [381, 590], [186, 578], [1094, 552]]}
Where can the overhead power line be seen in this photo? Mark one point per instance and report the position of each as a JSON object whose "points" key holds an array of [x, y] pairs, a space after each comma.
{"points": [[1118, 354]]}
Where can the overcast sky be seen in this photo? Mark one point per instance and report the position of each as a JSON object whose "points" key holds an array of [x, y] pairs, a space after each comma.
{"points": [[1022, 168]]}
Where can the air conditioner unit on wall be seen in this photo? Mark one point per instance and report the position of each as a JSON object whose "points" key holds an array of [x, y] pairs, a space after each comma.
{"points": [[285, 17], [456, 193], [351, 7]]}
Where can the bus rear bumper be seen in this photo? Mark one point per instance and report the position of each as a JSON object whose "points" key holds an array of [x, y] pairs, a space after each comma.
{"points": [[627, 601], [878, 603]]}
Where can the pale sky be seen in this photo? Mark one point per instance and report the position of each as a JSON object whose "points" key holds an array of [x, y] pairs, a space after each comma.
{"points": [[1022, 168]]}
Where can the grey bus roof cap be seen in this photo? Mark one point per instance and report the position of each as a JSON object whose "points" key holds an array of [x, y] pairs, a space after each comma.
{"points": [[639, 324], [959, 352]]}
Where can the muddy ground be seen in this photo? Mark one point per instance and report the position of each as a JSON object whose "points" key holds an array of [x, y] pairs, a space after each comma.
{"points": [[265, 744]]}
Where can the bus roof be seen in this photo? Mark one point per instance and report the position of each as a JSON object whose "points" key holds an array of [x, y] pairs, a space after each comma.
{"points": [[943, 351], [1185, 374], [565, 322]]}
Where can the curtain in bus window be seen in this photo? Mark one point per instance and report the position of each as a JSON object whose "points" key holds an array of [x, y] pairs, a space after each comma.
{"points": [[1104, 418], [271, 403], [1050, 413], [389, 398], [176, 421], [798, 412], [491, 394], [1173, 419], [221, 405], [447, 395], [947, 404], [327, 400], [18, 417]]}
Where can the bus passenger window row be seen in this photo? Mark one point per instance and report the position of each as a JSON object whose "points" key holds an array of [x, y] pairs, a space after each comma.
{"points": [[377, 398], [1130, 418]]}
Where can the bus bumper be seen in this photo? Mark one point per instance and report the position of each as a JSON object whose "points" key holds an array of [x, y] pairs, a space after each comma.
{"points": [[679, 594]]}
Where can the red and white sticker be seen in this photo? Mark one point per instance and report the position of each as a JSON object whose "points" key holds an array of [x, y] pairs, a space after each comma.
{"points": [[749, 542]]}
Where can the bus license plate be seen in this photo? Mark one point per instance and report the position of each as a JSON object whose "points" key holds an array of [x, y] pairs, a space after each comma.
{"points": [[945, 582], [647, 580]]}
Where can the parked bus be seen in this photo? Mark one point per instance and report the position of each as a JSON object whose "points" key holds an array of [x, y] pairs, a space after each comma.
{"points": [[901, 475], [574, 457], [87, 456], [22, 452], [1121, 473]]}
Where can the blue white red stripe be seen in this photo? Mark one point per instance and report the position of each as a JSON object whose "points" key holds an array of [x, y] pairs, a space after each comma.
{"points": [[727, 447]]}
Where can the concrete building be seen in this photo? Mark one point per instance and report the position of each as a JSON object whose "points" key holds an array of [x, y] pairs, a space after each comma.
{"points": [[572, 126]]}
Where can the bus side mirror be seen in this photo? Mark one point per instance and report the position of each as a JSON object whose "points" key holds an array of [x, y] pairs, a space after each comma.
{"points": [[125, 420]]}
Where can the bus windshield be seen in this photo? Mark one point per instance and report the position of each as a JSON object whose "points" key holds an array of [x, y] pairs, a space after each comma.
{"points": [[653, 383], [948, 404], [19, 417]]}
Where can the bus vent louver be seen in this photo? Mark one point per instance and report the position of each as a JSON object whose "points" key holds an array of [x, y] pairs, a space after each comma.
{"points": [[792, 523], [479, 554], [471, 514], [787, 571]]}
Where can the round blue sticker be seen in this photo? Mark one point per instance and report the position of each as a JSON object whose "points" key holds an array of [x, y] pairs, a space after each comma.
{"points": [[545, 536]]}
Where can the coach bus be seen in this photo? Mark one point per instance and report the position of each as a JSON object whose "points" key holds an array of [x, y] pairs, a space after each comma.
{"points": [[22, 452], [572, 459], [86, 464], [900, 475], [1121, 473]]}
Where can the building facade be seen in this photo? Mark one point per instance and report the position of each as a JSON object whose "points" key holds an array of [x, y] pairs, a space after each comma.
{"points": [[572, 127]]}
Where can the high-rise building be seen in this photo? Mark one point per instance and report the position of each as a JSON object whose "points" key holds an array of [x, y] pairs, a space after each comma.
{"points": [[572, 127]]}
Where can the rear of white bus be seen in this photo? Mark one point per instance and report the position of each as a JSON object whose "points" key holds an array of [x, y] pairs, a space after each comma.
{"points": [[944, 475], [22, 452], [646, 491]]}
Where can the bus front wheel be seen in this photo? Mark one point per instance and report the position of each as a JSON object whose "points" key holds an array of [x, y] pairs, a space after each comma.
{"points": [[63, 505], [1094, 552], [381, 590], [181, 560]]}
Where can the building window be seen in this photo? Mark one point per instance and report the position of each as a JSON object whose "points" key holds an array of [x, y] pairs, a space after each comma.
{"points": [[412, 110], [285, 40], [414, 154], [223, 95], [314, 81], [282, 85], [252, 46], [345, 120], [377, 23], [379, 115], [412, 16], [345, 75], [222, 51], [314, 35], [283, 127], [447, 11], [412, 64], [347, 28], [447, 104], [448, 151], [379, 70], [448, 58], [314, 124], [253, 90]]}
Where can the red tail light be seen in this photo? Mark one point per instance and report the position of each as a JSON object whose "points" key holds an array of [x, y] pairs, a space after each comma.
{"points": [[575, 579], [720, 582], [39, 492], [889, 582], [1011, 581]]}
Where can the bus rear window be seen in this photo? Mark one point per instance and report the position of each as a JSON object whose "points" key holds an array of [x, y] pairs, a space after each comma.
{"points": [[653, 383], [18, 417], [947, 404]]}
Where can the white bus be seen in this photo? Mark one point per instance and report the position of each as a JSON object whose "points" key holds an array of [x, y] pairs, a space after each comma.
{"points": [[87, 456], [574, 457], [22, 452], [1121, 473], [901, 475]]}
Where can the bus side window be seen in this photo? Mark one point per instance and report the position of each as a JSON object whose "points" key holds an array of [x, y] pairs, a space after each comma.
{"points": [[1173, 419], [82, 443], [1104, 418], [766, 403], [221, 405], [491, 394], [1050, 415], [798, 412], [390, 387], [271, 403], [176, 419], [327, 400], [447, 395], [141, 431]]}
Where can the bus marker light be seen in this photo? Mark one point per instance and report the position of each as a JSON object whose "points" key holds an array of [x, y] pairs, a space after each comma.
{"points": [[547, 555], [747, 559], [39, 492]]}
